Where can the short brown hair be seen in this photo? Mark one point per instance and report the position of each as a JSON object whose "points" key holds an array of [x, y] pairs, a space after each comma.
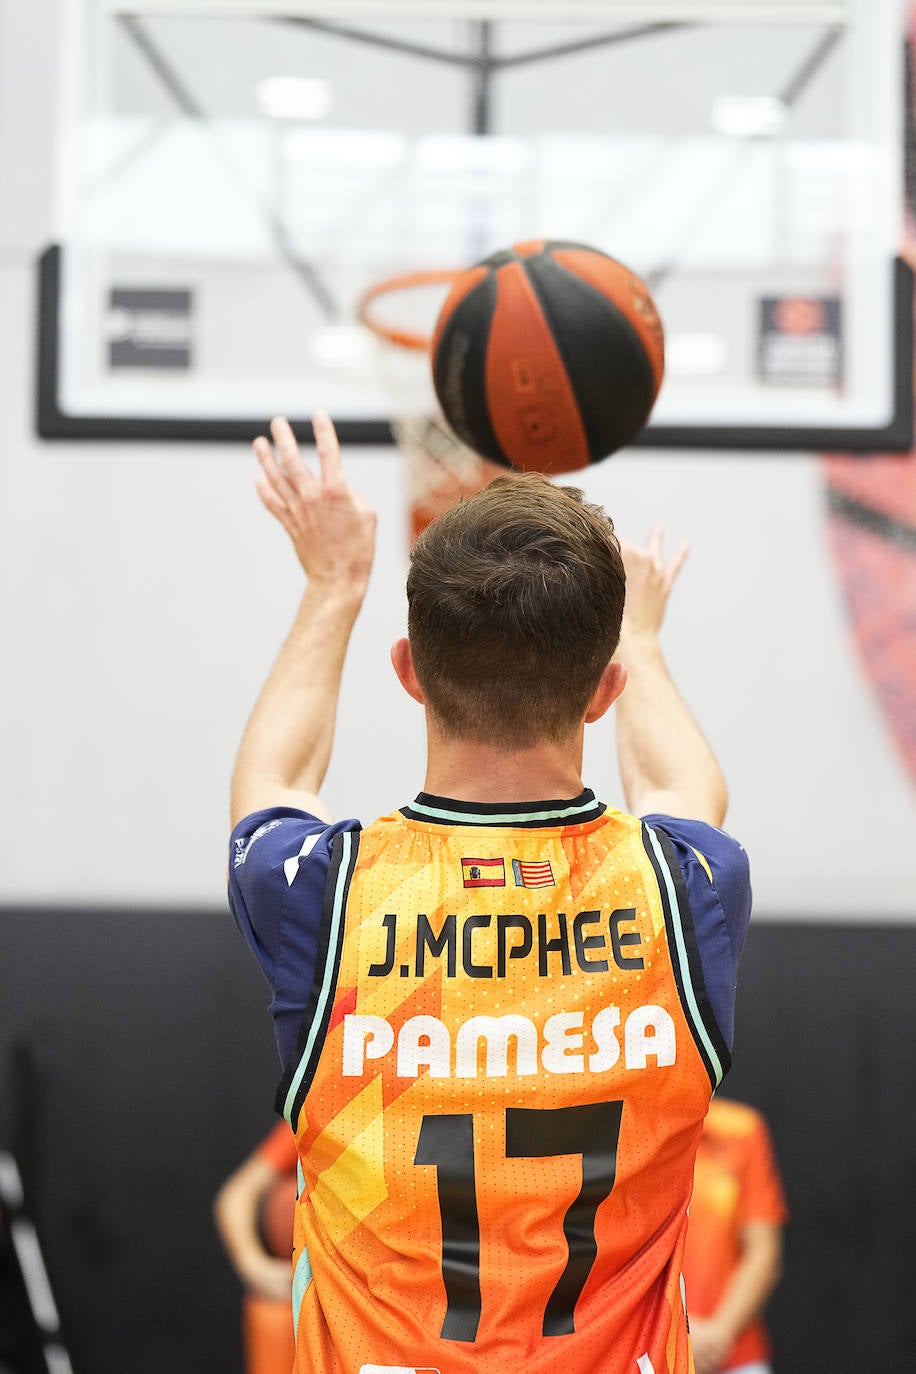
{"points": [[515, 598]]}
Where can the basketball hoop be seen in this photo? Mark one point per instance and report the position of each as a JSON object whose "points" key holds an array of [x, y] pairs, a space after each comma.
{"points": [[441, 469], [415, 339]]}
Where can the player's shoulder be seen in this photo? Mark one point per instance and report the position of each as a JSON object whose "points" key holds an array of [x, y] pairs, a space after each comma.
{"points": [[386, 822], [717, 887], [279, 839], [707, 854], [709, 843], [424, 816]]}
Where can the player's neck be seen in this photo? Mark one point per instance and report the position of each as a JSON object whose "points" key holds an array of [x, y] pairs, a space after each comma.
{"points": [[467, 771]]}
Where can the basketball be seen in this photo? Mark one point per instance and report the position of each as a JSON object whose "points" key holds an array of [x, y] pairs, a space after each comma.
{"points": [[275, 1216], [548, 356]]}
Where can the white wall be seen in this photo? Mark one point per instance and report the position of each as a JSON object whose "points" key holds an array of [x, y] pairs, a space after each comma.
{"points": [[145, 593]]}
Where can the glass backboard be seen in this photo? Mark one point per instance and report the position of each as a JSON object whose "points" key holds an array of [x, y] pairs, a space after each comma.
{"points": [[235, 176]]}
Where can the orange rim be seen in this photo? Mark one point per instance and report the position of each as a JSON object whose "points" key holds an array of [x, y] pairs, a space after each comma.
{"points": [[391, 333]]}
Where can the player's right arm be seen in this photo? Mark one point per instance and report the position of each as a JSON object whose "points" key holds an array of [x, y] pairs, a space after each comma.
{"points": [[666, 764], [286, 745]]}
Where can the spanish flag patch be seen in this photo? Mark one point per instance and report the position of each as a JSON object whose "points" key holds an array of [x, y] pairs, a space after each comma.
{"points": [[483, 872]]}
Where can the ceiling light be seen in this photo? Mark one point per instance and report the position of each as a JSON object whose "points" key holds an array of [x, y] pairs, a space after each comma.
{"points": [[295, 97], [342, 345], [748, 116], [695, 355]]}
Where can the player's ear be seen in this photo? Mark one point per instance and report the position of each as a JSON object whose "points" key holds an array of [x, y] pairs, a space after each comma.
{"points": [[612, 682], [402, 662]]}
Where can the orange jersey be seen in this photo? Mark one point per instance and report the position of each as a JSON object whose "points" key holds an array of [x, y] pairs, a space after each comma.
{"points": [[267, 1333], [278, 1149], [736, 1181], [500, 1086]]}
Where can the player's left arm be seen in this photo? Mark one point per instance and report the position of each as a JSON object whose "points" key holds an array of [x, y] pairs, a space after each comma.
{"points": [[666, 763], [286, 746]]}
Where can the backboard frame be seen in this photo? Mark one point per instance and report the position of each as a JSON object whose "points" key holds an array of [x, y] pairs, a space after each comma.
{"points": [[53, 422]]}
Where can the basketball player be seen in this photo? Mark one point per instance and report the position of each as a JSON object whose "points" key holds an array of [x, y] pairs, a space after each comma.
{"points": [[236, 1210], [266, 1275], [734, 1242], [503, 1008]]}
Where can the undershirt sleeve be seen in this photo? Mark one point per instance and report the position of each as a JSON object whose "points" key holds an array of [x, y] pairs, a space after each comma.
{"points": [[278, 865], [717, 876]]}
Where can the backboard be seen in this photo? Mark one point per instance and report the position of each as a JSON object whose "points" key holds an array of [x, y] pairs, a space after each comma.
{"points": [[235, 174]]}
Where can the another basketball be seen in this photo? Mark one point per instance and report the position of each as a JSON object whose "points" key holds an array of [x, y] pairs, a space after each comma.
{"points": [[275, 1216], [548, 356]]}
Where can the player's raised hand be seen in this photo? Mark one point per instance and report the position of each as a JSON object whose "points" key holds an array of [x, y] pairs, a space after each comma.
{"points": [[650, 578], [331, 527]]}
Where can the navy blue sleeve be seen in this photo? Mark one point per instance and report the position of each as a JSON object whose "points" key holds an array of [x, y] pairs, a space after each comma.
{"points": [[717, 876], [278, 865]]}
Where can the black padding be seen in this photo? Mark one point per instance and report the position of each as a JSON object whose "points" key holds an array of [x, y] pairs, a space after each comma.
{"points": [[142, 1067]]}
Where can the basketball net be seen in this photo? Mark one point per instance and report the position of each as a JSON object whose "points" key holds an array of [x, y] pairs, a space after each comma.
{"points": [[441, 470]]}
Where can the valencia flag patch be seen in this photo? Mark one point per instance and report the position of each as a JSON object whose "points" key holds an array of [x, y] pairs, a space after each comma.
{"points": [[534, 874]]}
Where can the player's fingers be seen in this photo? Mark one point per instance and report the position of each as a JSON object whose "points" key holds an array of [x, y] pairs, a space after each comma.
{"points": [[281, 431], [289, 458], [654, 544], [266, 455], [328, 447], [271, 500], [363, 507], [677, 562], [264, 452]]}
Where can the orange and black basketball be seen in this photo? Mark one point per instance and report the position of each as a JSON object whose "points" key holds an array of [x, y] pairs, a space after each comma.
{"points": [[548, 356]]}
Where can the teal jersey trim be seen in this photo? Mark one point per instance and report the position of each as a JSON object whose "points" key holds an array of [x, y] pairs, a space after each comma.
{"points": [[447, 811], [327, 984], [477, 819], [302, 1277]]}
